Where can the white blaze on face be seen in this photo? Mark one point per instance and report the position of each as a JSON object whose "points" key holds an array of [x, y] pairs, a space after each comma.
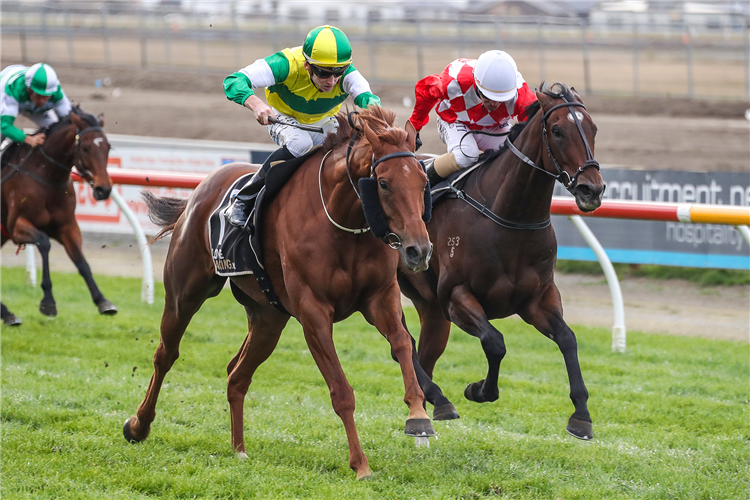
{"points": [[579, 115], [98, 141], [406, 169]]}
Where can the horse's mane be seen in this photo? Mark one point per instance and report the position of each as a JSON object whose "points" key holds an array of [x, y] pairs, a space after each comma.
{"points": [[379, 120], [88, 118], [555, 90]]}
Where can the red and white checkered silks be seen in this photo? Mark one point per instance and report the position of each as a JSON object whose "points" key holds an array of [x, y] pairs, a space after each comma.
{"points": [[454, 95]]}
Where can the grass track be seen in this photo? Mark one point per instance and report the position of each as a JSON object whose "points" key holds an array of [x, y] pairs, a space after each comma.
{"points": [[670, 415]]}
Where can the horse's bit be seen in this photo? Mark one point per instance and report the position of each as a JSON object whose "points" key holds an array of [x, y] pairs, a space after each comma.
{"points": [[562, 176]]}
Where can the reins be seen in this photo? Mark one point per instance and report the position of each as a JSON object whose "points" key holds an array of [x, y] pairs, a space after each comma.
{"points": [[562, 176]]}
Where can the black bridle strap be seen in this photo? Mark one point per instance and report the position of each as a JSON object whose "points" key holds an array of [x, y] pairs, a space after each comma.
{"points": [[482, 208]]}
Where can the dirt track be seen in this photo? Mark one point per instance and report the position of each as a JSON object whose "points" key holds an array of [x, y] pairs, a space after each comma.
{"points": [[638, 133]]}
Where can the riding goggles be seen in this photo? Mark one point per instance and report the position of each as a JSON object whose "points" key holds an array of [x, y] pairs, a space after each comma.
{"points": [[325, 73]]}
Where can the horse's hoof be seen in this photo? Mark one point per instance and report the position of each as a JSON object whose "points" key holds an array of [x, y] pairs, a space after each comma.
{"points": [[242, 455], [475, 392], [107, 307], [364, 475], [12, 320], [128, 434], [48, 309], [419, 427], [580, 429], [445, 412]]}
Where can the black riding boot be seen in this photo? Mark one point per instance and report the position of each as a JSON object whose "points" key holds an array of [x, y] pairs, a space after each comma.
{"points": [[432, 176], [239, 211]]}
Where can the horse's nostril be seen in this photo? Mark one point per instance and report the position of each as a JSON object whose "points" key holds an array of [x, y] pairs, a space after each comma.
{"points": [[412, 254], [584, 191], [101, 193]]}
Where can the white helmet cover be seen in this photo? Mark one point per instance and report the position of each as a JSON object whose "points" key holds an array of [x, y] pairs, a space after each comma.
{"points": [[495, 75]]}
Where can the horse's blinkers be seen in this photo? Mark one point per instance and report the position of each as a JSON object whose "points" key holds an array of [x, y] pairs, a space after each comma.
{"points": [[373, 210]]}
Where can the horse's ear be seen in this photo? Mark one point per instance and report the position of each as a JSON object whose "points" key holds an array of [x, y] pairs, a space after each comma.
{"points": [[77, 121], [411, 135], [100, 119], [371, 137]]}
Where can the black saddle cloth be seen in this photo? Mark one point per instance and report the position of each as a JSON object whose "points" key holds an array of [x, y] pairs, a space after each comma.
{"points": [[234, 251]]}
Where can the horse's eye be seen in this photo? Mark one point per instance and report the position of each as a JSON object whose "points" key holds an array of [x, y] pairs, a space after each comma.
{"points": [[85, 149], [556, 132], [383, 185]]}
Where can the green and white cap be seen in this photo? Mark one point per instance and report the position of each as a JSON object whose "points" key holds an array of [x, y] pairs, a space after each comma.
{"points": [[42, 79], [328, 47]]}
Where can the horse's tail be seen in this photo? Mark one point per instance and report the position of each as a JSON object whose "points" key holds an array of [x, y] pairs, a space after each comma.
{"points": [[163, 211]]}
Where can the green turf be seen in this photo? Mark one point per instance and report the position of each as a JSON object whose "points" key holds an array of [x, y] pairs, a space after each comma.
{"points": [[670, 415]]}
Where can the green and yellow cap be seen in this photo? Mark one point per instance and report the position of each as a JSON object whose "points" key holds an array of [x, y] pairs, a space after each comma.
{"points": [[327, 47]]}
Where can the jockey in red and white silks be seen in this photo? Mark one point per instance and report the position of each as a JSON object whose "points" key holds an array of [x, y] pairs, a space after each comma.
{"points": [[482, 94]]}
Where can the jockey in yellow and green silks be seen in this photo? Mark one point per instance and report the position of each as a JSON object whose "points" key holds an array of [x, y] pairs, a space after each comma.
{"points": [[303, 85]]}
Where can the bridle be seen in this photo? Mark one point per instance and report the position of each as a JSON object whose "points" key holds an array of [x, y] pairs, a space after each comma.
{"points": [[562, 176], [391, 239], [77, 160]]}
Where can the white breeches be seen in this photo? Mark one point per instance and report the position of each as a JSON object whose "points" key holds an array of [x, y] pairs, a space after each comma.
{"points": [[297, 141], [43, 120], [466, 148]]}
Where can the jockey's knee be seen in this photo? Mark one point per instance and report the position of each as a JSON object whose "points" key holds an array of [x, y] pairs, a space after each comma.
{"points": [[466, 155], [300, 145]]}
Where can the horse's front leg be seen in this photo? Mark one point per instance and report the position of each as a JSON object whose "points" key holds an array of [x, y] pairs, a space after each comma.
{"points": [[24, 232], [70, 237], [545, 314], [317, 322], [467, 313], [383, 311]]}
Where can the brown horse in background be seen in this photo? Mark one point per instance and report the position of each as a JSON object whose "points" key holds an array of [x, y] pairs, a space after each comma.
{"points": [[39, 200], [486, 269], [321, 273]]}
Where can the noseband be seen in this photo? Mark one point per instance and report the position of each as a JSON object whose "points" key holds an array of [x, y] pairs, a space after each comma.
{"points": [[562, 176]]}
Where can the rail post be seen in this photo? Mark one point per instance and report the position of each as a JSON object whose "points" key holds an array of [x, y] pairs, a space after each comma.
{"points": [[618, 330]]}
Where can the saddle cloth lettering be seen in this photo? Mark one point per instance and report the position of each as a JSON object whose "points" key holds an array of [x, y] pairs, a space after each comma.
{"points": [[230, 246]]}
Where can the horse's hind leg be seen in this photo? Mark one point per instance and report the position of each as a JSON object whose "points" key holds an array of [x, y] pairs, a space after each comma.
{"points": [[184, 295], [545, 315], [466, 312], [70, 237], [9, 319], [25, 233], [264, 329]]}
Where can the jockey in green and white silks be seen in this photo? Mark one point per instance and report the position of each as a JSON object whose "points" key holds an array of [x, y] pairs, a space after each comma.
{"points": [[303, 85], [34, 92]]}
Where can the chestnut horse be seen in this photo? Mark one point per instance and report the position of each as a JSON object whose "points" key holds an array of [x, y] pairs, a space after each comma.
{"points": [[486, 269], [321, 265], [39, 200]]}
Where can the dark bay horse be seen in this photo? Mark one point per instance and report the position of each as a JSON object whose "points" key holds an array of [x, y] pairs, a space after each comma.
{"points": [[484, 269], [321, 269], [39, 200]]}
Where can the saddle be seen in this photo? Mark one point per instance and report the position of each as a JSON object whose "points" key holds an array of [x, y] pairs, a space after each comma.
{"points": [[236, 253], [449, 187]]}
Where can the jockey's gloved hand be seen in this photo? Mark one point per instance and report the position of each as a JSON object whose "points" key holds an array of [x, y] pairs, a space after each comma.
{"points": [[418, 143]]}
